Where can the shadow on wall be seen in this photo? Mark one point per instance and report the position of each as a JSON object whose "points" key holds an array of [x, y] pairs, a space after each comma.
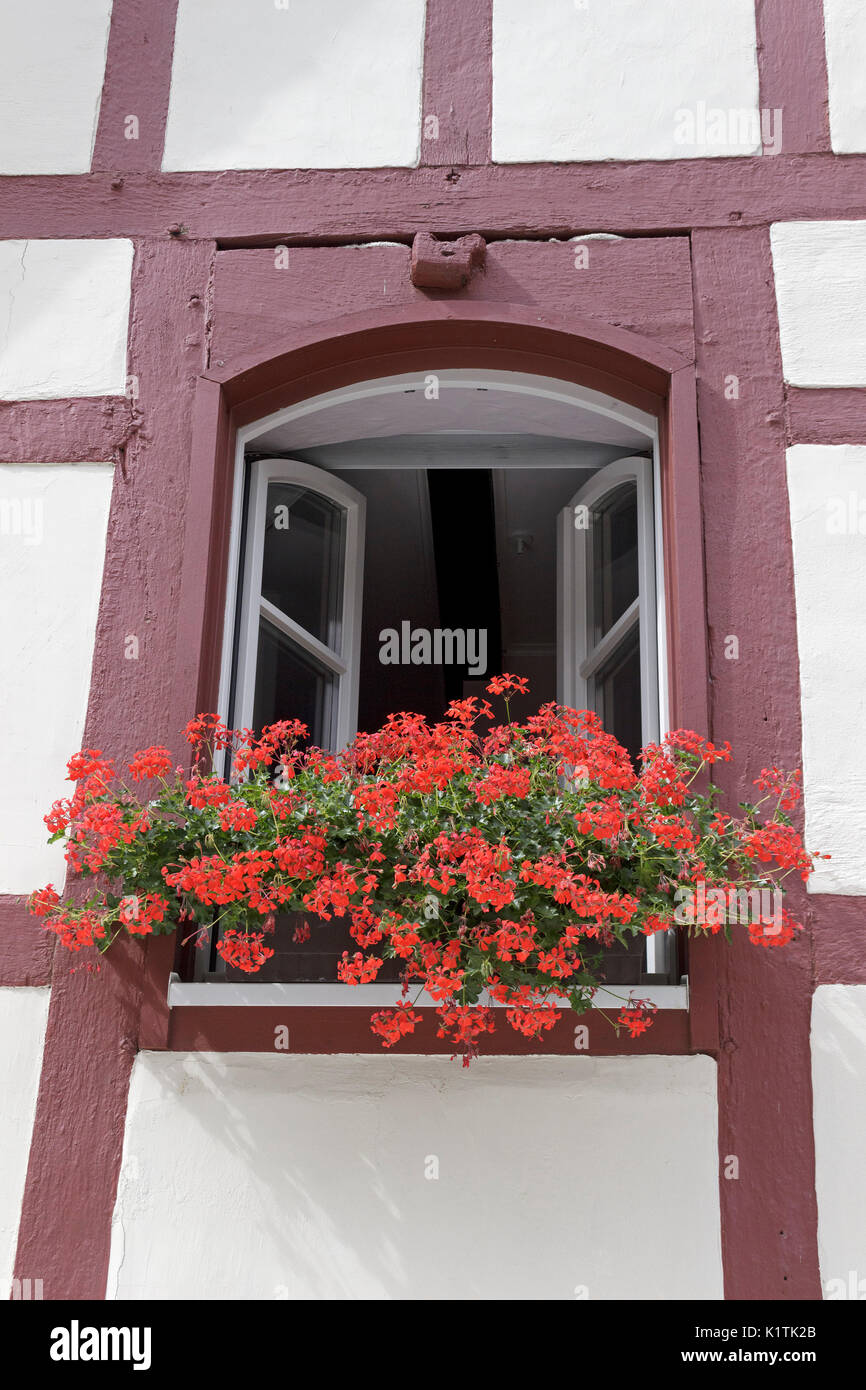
{"points": [[391, 1177]]}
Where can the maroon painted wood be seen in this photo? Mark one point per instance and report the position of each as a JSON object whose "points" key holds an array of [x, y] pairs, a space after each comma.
{"points": [[769, 1214], [94, 1021], [641, 285], [26, 949], [792, 67], [137, 80], [834, 415], [91, 1040], [88, 430], [837, 938], [458, 83], [335, 1030], [138, 702], [266, 207], [153, 1025]]}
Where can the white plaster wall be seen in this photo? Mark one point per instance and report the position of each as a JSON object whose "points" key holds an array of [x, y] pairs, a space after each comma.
{"points": [[23, 1016], [838, 1079], [827, 494], [335, 84], [64, 318], [53, 66], [250, 1176], [53, 522], [820, 274], [845, 37], [606, 79]]}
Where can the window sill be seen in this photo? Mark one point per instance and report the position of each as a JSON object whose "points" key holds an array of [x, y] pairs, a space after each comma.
{"points": [[212, 995]]}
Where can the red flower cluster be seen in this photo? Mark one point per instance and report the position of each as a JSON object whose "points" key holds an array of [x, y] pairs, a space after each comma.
{"points": [[603, 820], [466, 1024], [141, 915], [392, 1024], [244, 950], [502, 781], [150, 762], [785, 786], [360, 970], [495, 864], [780, 844], [637, 1017]]}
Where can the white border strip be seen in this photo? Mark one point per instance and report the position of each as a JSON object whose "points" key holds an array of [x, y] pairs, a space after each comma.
{"points": [[211, 994]]}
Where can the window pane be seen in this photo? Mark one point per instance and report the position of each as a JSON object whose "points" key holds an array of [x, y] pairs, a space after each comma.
{"points": [[617, 693], [302, 569], [614, 558], [292, 685]]}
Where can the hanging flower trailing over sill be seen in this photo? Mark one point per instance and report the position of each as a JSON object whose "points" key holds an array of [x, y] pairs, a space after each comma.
{"points": [[493, 862]]}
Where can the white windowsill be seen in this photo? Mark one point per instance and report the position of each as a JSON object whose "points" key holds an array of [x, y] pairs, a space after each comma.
{"points": [[210, 994]]}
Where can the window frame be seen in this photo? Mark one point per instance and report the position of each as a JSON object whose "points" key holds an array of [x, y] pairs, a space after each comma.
{"points": [[252, 606], [576, 600], [654, 387], [574, 357]]}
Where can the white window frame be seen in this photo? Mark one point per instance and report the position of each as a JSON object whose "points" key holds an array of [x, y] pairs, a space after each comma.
{"points": [[343, 662], [577, 660]]}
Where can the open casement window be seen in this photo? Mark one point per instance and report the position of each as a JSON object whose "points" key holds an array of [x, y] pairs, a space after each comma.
{"points": [[607, 647], [299, 639], [607, 622]]}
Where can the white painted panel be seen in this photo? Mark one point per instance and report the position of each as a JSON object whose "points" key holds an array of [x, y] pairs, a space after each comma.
{"points": [[65, 307], [820, 273], [827, 492], [249, 1176], [53, 522], [845, 37], [335, 84], [53, 65], [624, 79], [838, 1083], [23, 1016]]}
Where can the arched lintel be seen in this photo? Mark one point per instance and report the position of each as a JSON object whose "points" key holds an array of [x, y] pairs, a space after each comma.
{"points": [[362, 346]]}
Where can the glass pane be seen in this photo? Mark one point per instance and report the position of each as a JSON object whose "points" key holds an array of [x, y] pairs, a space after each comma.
{"points": [[292, 685], [617, 693], [302, 569], [614, 558]]}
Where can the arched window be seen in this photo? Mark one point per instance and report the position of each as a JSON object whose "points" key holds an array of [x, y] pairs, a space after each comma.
{"points": [[501, 516], [398, 542]]}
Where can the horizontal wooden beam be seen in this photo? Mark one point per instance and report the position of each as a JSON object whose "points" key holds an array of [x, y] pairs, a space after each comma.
{"points": [[266, 207]]}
